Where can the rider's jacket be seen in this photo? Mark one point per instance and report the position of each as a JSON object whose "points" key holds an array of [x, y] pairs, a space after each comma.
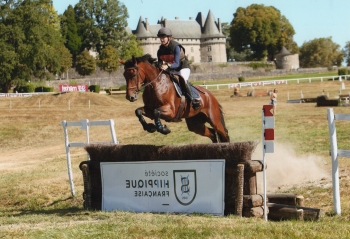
{"points": [[167, 54]]}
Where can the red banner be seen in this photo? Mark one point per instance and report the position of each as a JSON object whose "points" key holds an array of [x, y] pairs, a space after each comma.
{"points": [[70, 88]]}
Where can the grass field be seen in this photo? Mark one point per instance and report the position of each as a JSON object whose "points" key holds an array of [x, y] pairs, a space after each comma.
{"points": [[35, 200]]}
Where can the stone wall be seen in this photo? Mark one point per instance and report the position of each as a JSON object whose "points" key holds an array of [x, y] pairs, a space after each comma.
{"points": [[199, 72]]}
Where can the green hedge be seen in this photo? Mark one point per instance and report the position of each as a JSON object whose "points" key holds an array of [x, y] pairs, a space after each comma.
{"points": [[343, 71], [28, 88], [94, 88], [241, 79], [256, 65], [44, 89]]}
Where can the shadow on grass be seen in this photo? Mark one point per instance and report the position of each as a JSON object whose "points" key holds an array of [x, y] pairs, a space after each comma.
{"points": [[60, 200], [53, 208]]}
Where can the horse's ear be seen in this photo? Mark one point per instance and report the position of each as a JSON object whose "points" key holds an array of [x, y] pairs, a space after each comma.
{"points": [[152, 60], [134, 60], [121, 61]]}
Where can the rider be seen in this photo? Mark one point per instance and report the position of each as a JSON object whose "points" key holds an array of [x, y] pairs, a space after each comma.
{"points": [[171, 56]]}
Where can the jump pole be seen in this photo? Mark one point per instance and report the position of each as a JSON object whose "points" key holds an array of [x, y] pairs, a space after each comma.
{"points": [[334, 154], [268, 125]]}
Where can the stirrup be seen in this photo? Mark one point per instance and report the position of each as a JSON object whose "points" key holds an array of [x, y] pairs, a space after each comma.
{"points": [[196, 104]]}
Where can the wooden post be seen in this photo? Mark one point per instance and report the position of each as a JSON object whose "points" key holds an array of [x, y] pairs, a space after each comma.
{"points": [[250, 187], [253, 200], [300, 201], [281, 211], [254, 212], [283, 198], [87, 186], [239, 191]]}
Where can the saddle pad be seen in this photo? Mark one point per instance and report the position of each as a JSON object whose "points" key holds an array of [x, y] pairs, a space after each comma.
{"points": [[194, 91]]}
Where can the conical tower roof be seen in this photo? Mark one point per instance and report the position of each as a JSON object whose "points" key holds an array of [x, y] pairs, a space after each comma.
{"points": [[141, 30], [283, 52], [210, 28]]}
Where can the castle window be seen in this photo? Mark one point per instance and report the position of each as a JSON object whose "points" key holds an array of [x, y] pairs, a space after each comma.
{"points": [[191, 49], [209, 48], [192, 58], [210, 59]]}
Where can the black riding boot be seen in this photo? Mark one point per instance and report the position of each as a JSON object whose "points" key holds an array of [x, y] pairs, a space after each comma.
{"points": [[195, 103]]}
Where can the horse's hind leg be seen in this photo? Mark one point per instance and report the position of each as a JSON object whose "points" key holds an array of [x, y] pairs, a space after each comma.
{"points": [[218, 123], [196, 124]]}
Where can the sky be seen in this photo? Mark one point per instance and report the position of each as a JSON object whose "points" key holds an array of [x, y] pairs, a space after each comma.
{"points": [[310, 18]]}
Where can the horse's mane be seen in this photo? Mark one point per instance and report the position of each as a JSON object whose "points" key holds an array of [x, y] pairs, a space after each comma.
{"points": [[144, 58]]}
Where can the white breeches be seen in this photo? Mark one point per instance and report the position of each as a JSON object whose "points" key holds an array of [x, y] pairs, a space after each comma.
{"points": [[185, 73]]}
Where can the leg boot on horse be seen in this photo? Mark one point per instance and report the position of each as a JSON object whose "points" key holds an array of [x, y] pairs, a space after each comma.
{"points": [[160, 127], [195, 103]]}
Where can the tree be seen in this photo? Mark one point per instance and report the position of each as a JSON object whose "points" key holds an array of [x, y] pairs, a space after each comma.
{"points": [[101, 23], [70, 32], [226, 32], [108, 59], [86, 64], [261, 30], [131, 47], [65, 59], [320, 52], [346, 51], [231, 54], [29, 41]]}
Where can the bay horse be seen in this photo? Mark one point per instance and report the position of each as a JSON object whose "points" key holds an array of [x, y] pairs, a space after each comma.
{"points": [[161, 101]]}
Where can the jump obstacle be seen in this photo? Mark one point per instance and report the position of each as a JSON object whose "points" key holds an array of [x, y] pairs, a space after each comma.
{"points": [[84, 125], [240, 194], [240, 190]]}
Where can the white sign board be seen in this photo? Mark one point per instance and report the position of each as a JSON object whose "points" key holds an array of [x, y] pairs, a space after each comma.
{"points": [[164, 186]]}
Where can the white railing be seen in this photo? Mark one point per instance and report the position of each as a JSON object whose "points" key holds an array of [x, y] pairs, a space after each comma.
{"points": [[14, 95], [335, 152], [272, 82], [84, 125]]}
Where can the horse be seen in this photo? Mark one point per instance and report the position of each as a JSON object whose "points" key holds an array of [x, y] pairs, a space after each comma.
{"points": [[161, 101]]}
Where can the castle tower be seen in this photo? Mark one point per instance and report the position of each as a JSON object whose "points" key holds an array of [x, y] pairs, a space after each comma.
{"points": [[213, 41], [286, 60], [202, 38]]}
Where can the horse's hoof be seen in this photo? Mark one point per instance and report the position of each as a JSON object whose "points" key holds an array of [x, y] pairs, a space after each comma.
{"points": [[151, 128], [164, 130]]}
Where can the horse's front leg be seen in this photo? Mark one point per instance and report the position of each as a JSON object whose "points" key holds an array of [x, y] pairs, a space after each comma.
{"points": [[149, 127], [160, 127]]}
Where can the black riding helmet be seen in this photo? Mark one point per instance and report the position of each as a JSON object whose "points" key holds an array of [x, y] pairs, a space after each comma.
{"points": [[164, 32]]}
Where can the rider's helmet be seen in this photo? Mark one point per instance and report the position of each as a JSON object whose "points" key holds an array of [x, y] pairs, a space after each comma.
{"points": [[164, 31]]}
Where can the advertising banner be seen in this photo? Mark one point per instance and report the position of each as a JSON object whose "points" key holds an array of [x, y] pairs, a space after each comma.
{"points": [[69, 88], [184, 186]]}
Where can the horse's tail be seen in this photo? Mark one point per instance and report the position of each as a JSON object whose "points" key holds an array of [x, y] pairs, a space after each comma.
{"points": [[221, 137]]}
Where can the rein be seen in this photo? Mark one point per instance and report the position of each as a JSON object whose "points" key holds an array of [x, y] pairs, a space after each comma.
{"points": [[149, 83], [137, 82]]}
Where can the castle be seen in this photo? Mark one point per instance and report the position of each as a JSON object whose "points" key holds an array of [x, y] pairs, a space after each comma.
{"points": [[202, 38]]}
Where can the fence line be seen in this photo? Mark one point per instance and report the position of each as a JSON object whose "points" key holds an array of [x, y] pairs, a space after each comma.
{"points": [[273, 82], [15, 95]]}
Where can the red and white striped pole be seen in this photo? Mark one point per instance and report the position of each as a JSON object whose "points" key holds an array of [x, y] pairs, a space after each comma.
{"points": [[268, 136]]}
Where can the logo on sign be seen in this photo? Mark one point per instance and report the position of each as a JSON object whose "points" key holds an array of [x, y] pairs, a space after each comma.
{"points": [[185, 186]]}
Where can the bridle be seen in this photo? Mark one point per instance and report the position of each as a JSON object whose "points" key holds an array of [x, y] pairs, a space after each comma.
{"points": [[137, 79]]}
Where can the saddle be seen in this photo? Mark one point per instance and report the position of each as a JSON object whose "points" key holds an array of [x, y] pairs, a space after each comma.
{"points": [[179, 84]]}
